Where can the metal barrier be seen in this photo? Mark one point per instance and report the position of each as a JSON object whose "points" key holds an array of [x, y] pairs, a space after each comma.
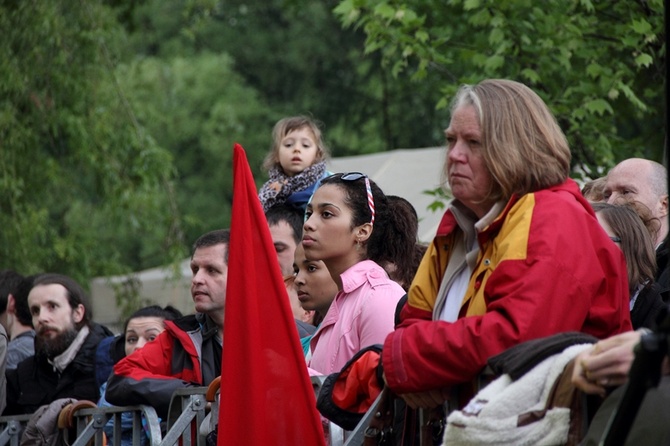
{"points": [[11, 428], [185, 416], [88, 423], [187, 411]]}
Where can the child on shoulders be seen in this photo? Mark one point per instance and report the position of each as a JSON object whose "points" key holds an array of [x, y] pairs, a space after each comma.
{"points": [[296, 164]]}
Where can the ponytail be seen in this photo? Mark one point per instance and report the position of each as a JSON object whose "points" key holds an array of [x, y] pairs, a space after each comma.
{"points": [[394, 238]]}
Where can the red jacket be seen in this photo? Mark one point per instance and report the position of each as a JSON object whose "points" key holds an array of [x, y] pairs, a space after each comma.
{"points": [[172, 361], [545, 266]]}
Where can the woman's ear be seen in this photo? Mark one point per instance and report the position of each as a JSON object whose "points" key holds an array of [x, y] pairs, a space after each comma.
{"points": [[363, 232]]}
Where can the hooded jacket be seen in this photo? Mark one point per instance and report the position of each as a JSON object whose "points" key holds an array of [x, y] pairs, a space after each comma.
{"points": [[544, 266], [181, 356]]}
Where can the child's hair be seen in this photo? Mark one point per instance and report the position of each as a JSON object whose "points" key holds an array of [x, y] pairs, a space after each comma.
{"points": [[285, 126], [392, 240]]}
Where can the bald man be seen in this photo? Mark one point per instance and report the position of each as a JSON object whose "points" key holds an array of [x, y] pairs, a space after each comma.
{"points": [[637, 179]]}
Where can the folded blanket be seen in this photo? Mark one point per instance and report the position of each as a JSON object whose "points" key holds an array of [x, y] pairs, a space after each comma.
{"points": [[516, 412]]}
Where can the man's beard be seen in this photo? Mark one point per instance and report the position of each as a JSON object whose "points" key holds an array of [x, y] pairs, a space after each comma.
{"points": [[55, 346]]}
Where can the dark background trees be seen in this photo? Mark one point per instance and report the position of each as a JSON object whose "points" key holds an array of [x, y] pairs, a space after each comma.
{"points": [[118, 117]]}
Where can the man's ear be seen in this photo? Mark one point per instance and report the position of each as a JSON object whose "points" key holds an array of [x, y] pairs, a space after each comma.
{"points": [[663, 204], [11, 304], [363, 232], [78, 313]]}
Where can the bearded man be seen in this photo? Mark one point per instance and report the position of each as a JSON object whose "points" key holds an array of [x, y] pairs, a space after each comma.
{"points": [[65, 344]]}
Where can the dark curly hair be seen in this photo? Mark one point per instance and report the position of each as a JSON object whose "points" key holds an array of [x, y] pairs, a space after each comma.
{"points": [[392, 240]]}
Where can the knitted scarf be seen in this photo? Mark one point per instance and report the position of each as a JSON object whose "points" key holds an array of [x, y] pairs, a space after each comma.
{"points": [[280, 186]]}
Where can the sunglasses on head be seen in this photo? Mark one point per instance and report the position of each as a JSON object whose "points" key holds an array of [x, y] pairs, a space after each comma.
{"points": [[354, 176]]}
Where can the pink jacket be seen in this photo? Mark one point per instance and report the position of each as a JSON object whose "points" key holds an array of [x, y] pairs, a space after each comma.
{"points": [[361, 314]]}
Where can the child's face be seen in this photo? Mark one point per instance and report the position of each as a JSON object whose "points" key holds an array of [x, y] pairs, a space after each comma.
{"points": [[297, 151]]}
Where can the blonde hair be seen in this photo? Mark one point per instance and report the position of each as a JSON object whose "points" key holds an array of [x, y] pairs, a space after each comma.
{"points": [[287, 125], [522, 144]]}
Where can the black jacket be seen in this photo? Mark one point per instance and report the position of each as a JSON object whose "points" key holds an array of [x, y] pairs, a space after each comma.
{"points": [[35, 383], [647, 307]]}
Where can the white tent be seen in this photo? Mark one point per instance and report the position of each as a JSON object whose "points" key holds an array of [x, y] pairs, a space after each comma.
{"points": [[404, 172]]}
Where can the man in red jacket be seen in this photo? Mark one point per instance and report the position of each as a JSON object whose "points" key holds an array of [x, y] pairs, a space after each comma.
{"points": [[188, 352]]}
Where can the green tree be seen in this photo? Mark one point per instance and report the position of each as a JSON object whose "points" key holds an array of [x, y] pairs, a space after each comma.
{"points": [[599, 65], [300, 60], [84, 189], [197, 107]]}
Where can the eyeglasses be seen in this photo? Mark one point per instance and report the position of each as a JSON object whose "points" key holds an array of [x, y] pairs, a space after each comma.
{"points": [[354, 176], [615, 239]]}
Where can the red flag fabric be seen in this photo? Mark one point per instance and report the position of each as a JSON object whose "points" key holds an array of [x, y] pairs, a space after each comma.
{"points": [[266, 395]]}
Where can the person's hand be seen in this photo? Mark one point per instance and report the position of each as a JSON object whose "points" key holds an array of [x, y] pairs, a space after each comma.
{"points": [[606, 364], [423, 400], [426, 400]]}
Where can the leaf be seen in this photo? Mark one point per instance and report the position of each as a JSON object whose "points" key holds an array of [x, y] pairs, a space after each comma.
{"points": [[385, 11], [471, 4], [588, 6], [496, 36], [593, 70], [630, 41], [531, 75], [421, 36], [599, 106], [494, 62], [348, 13], [631, 96], [644, 60], [480, 18], [641, 26]]}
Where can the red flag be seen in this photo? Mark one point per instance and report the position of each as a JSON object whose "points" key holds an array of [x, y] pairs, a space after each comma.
{"points": [[266, 395]]}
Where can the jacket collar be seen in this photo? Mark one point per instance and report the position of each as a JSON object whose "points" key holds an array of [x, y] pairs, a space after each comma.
{"points": [[207, 325], [489, 225], [61, 361], [365, 271]]}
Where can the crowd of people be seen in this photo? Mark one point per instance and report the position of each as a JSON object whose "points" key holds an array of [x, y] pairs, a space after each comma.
{"points": [[521, 254]]}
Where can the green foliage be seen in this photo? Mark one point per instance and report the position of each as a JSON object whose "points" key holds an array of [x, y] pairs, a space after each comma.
{"points": [[117, 118], [441, 197], [298, 58], [599, 65], [84, 190], [197, 107]]}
